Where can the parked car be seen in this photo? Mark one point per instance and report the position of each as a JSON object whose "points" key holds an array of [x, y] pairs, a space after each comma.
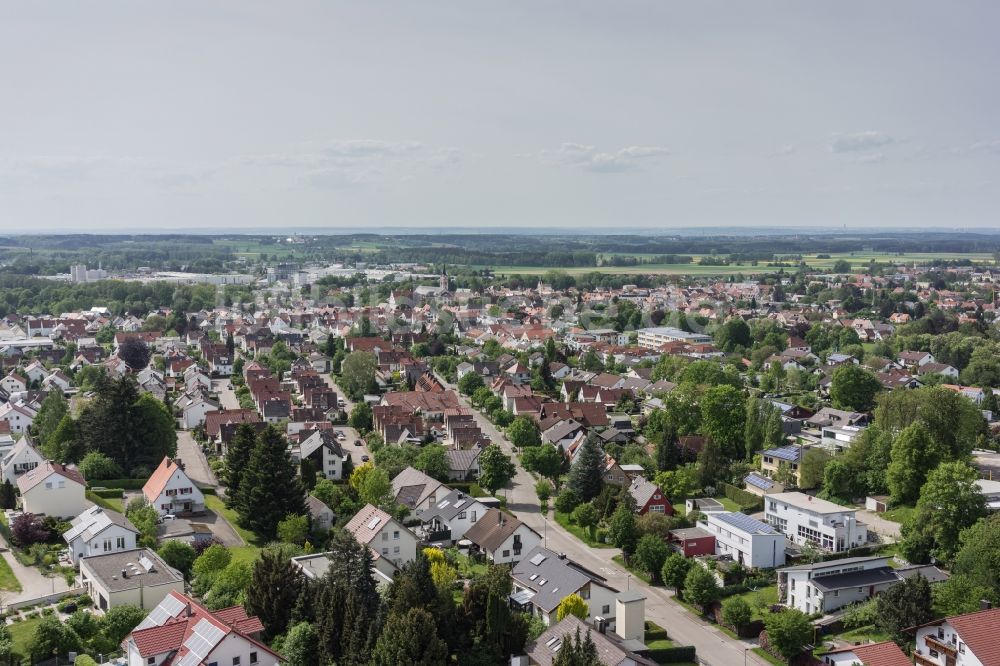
{"points": [[364, 458], [357, 442]]}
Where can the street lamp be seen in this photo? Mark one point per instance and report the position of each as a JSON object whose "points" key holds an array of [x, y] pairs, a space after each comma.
{"points": [[745, 650]]}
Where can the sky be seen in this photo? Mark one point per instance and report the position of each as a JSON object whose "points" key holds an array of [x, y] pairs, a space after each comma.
{"points": [[144, 116]]}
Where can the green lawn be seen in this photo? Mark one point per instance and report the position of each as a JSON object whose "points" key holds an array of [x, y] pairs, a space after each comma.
{"points": [[8, 581], [635, 571], [577, 531], [109, 503], [22, 634], [216, 504], [765, 596], [899, 514], [656, 637]]}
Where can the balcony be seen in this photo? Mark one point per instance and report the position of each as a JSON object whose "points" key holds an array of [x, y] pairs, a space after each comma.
{"points": [[935, 643], [923, 660]]}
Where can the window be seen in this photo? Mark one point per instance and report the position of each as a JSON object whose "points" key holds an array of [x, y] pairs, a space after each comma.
{"points": [[120, 543], [657, 496], [107, 545], [385, 536], [934, 653], [395, 534], [253, 657], [461, 516], [385, 551], [656, 508], [605, 610], [506, 553], [48, 485], [472, 517], [395, 550], [236, 661], [151, 660]]}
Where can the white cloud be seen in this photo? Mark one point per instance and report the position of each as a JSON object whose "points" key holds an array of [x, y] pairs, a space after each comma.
{"points": [[859, 141], [629, 158], [992, 147]]}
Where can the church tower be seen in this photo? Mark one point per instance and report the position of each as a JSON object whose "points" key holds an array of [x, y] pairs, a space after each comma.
{"points": [[443, 280]]}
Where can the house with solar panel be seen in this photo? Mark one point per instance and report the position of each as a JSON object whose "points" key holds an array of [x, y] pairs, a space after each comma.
{"points": [[181, 632], [750, 542], [97, 531], [137, 577], [772, 460], [450, 518], [388, 539], [758, 484], [544, 578]]}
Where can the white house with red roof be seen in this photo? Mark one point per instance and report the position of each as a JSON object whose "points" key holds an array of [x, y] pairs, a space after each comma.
{"points": [[182, 632], [171, 491], [52, 489], [871, 654], [960, 640]]}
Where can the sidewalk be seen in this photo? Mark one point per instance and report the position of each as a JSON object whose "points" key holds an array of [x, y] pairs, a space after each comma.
{"points": [[33, 583]]}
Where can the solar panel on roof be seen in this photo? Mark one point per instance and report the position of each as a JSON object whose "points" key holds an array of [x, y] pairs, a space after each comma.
{"points": [[373, 523], [746, 523]]}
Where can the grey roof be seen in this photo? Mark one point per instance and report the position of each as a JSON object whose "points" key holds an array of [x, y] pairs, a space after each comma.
{"points": [[462, 460], [611, 652], [928, 571], [741, 521], [841, 581], [450, 506], [561, 430], [107, 570], [95, 520], [411, 486], [490, 531], [642, 490], [690, 533], [835, 563], [553, 577]]}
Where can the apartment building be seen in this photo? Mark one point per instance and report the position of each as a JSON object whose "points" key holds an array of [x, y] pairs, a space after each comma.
{"points": [[806, 519]]}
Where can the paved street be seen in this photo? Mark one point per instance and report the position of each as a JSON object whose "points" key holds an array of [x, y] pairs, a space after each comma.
{"points": [[195, 462], [33, 583], [714, 647], [227, 396]]}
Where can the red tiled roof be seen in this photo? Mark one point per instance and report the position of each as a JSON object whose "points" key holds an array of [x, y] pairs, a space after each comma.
{"points": [[979, 630], [881, 654], [215, 420], [158, 480], [157, 640]]}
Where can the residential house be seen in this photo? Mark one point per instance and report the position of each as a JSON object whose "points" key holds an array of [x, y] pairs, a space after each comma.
{"points": [[182, 631], [544, 577], [748, 541], [417, 491], [806, 519], [97, 531], [323, 450], [502, 538], [52, 489], [388, 538], [463, 464], [193, 410], [613, 649], [649, 498], [451, 517], [758, 484], [824, 587], [14, 382], [19, 415], [320, 514], [137, 577], [960, 640], [23, 457], [772, 461], [171, 491], [886, 653]]}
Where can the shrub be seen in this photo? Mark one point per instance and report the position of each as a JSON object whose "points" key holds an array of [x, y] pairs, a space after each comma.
{"points": [[566, 501], [28, 529]]}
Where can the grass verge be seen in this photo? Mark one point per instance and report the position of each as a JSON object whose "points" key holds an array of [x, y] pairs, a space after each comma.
{"points": [[216, 504], [577, 531], [768, 657], [8, 581]]}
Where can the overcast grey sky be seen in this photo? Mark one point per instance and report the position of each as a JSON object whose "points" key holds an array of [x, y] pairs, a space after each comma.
{"points": [[194, 114]]}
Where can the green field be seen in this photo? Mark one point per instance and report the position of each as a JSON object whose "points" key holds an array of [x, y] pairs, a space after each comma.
{"points": [[857, 259]]}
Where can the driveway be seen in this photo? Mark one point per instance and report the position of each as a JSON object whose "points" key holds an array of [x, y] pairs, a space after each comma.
{"points": [[878, 524], [33, 583], [195, 462], [714, 647]]}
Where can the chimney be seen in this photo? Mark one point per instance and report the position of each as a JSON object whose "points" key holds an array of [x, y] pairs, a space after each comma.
{"points": [[562, 556], [124, 573]]}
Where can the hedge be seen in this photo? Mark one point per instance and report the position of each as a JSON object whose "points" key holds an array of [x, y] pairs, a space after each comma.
{"points": [[125, 484], [672, 655], [108, 493], [747, 500]]}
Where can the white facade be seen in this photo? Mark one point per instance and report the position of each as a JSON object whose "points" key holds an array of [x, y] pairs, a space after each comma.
{"points": [[803, 518], [170, 490], [828, 586], [95, 532], [193, 413], [747, 540], [20, 459], [395, 543], [51, 493], [18, 416], [522, 540], [654, 338], [942, 644]]}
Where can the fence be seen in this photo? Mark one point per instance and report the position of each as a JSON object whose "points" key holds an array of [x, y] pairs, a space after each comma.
{"points": [[46, 600]]}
